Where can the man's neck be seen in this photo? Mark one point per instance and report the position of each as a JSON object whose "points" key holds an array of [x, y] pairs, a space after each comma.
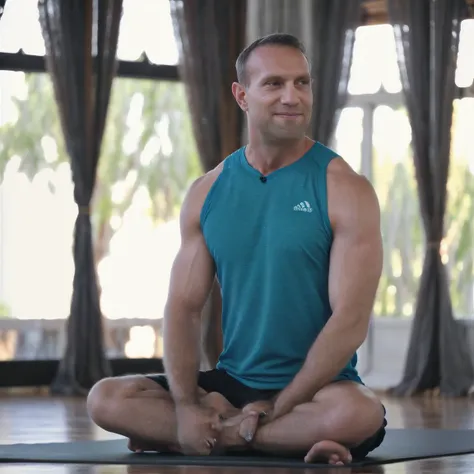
{"points": [[267, 158]]}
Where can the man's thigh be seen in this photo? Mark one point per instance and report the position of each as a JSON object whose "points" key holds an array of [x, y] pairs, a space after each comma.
{"points": [[346, 390]]}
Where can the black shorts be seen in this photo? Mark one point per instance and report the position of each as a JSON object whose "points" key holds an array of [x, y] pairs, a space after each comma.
{"points": [[220, 381], [240, 395]]}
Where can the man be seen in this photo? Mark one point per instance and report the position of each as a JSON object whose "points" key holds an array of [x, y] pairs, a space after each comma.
{"points": [[293, 235]]}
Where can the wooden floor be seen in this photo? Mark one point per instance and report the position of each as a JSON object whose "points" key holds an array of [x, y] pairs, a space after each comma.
{"points": [[29, 419]]}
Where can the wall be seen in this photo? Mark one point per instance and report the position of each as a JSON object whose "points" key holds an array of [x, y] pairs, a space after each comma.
{"points": [[382, 357]]}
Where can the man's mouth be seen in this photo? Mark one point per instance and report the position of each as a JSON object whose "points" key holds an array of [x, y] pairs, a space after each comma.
{"points": [[289, 114]]}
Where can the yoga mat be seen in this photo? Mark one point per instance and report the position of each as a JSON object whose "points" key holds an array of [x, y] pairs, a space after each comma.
{"points": [[399, 445]]}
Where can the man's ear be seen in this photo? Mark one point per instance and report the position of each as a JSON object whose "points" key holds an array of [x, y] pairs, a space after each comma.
{"points": [[239, 93]]}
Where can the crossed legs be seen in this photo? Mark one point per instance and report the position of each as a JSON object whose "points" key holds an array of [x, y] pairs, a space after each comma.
{"points": [[141, 410], [341, 416]]}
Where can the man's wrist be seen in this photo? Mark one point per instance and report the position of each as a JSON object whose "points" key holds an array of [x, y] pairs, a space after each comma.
{"points": [[281, 408], [288, 399], [185, 401]]}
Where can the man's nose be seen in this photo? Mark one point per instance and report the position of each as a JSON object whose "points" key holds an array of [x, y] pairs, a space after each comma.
{"points": [[290, 95]]}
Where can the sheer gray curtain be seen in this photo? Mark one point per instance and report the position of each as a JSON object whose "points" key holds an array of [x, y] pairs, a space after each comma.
{"points": [[327, 28], [427, 38], [2, 7], [284, 16], [81, 39], [332, 44]]}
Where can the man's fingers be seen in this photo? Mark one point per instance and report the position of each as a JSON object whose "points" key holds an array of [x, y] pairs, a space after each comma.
{"points": [[255, 407], [262, 409], [248, 427]]}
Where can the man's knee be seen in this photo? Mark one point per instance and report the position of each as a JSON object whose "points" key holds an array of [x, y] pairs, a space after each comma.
{"points": [[106, 397], [99, 399], [362, 419], [356, 414], [103, 397]]}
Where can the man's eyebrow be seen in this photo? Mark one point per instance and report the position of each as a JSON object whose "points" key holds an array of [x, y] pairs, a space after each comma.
{"points": [[306, 77], [280, 77]]}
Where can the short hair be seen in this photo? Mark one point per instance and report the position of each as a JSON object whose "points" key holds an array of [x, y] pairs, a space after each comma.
{"points": [[274, 39]]}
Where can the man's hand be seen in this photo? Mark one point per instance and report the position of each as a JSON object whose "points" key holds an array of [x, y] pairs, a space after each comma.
{"points": [[198, 429], [258, 413]]}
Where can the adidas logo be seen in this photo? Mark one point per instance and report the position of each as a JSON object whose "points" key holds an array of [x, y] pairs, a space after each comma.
{"points": [[303, 206]]}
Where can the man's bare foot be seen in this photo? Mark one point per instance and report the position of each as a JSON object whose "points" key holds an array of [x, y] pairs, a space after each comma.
{"points": [[330, 451], [139, 446]]}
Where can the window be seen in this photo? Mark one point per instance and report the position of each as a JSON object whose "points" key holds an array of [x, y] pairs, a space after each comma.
{"points": [[457, 249], [393, 176], [465, 66], [148, 160], [21, 28], [374, 135], [349, 135], [146, 27], [458, 245], [374, 64]]}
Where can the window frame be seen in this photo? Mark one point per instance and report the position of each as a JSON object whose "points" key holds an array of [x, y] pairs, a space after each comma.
{"points": [[143, 69]]}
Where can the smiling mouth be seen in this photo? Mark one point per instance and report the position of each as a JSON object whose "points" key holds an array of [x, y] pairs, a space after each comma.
{"points": [[289, 115]]}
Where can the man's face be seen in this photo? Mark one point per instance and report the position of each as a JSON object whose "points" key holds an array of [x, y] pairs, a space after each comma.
{"points": [[278, 97]]}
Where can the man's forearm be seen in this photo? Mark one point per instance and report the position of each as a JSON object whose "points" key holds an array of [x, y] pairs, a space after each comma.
{"points": [[329, 354], [181, 358]]}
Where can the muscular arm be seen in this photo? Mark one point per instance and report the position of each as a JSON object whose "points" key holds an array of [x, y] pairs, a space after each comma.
{"points": [[191, 281], [355, 269]]}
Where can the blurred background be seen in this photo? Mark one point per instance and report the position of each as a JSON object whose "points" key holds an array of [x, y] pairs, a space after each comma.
{"points": [[154, 145]]}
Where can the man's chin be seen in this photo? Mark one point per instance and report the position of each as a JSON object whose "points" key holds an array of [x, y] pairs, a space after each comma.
{"points": [[290, 133]]}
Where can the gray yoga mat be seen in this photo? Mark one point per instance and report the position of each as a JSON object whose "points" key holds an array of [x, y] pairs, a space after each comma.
{"points": [[399, 445]]}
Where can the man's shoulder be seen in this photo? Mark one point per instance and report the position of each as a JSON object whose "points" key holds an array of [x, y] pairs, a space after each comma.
{"points": [[350, 194], [341, 175], [197, 193], [201, 186]]}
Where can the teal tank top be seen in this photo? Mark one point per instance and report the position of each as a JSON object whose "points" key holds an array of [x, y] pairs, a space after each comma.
{"points": [[270, 238]]}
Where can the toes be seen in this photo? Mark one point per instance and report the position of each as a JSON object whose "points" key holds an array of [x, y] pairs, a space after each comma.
{"points": [[335, 460], [211, 443], [333, 453]]}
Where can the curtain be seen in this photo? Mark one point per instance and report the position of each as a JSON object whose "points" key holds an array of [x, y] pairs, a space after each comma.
{"points": [[327, 29], [427, 37], [211, 34], [2, 7], [81, 40], [279, 16], [333, 38]]}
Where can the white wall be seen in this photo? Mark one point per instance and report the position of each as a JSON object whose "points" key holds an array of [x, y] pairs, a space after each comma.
{"points": [[382, 357]]}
